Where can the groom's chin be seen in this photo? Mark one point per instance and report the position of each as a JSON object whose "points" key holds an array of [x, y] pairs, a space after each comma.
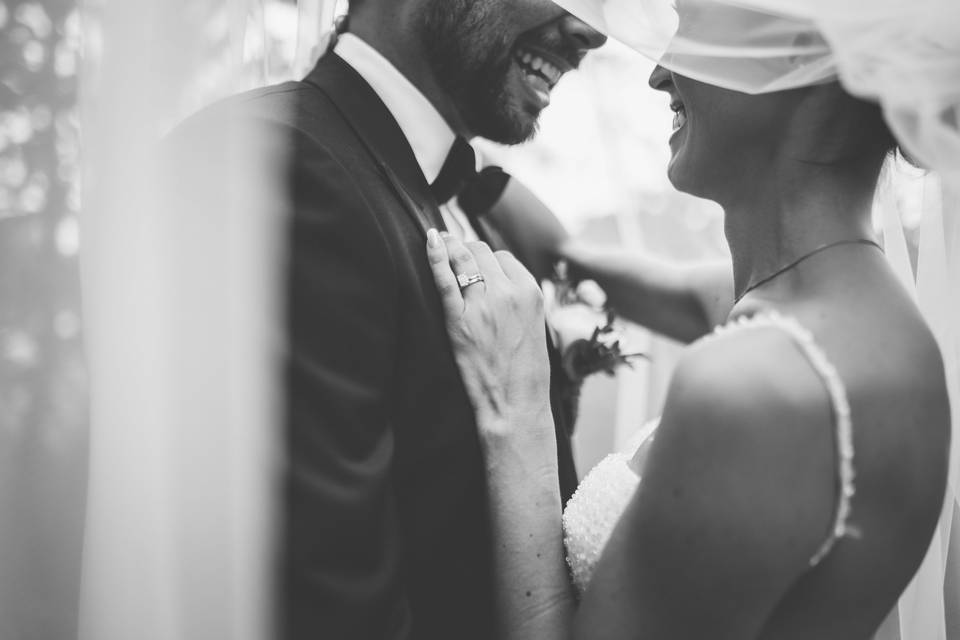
{"points": [[519, 131], [508, 123]]}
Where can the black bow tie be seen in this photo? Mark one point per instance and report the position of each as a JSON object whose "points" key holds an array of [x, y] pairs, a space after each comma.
{"points": [[459, 169], [476, 192]]}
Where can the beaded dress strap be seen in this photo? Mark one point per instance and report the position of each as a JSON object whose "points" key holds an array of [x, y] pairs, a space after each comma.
{"points": [[846, 475]]}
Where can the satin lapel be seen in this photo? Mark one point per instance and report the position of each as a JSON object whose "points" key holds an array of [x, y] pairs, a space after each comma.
{"points": [[379, 132], [428, 216]]}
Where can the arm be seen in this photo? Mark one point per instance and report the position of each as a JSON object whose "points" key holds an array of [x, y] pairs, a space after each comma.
{"points": [[510, 396], [737, 495], [683, 302], [342, 575], [529, 227]]}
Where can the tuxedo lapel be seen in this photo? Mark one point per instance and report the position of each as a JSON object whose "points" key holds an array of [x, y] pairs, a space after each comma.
{"points": [[380, 134], [383, 139]]}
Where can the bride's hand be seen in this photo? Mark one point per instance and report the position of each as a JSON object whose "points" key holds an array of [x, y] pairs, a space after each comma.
{"points": [[498, 334]]}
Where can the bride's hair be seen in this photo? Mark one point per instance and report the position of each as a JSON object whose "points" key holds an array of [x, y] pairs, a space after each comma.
{"points": [[874, 133], [853, 129]]}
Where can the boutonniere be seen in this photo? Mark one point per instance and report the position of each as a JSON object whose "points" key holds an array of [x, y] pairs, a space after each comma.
{"points": [[584, 327]]}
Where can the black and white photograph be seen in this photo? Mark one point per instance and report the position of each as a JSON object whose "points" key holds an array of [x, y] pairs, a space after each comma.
{"points": [[479, 320]]}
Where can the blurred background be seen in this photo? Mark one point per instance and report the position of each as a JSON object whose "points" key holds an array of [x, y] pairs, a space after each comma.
{"points": [[43, 399], [599, 161]]}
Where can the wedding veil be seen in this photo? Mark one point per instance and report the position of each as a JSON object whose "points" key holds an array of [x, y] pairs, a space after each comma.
{"points": [[904, 56], [158, 562], [183, 319]]}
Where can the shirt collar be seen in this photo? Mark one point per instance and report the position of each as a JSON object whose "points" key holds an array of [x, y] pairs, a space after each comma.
{"points": [[428, 133]]}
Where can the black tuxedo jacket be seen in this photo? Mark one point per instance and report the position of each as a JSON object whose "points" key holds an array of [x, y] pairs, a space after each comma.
{"points": [[386, 531]]}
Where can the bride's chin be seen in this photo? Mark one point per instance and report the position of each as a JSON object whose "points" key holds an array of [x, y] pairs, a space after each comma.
{"points": [[679, 175], [672, 177], [675, 169]]}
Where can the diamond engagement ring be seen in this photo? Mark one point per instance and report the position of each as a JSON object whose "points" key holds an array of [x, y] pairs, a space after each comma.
{"points": [[465, 281]]}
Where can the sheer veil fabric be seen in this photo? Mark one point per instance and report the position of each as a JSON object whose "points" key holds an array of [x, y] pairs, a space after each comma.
{"points": [[176, 304], [906, 57], [183, 315]]}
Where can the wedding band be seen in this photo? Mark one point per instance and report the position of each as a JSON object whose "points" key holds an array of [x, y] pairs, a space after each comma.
{"points": [[465, 281]]}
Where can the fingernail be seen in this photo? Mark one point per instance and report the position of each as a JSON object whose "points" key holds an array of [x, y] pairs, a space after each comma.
{"points": [[433, 238]]}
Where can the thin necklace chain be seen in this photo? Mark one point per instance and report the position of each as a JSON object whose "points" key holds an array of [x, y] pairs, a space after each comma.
{"points": [[793, 264]]}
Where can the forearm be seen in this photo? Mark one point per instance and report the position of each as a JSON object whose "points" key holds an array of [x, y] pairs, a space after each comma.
{"points": [[500, 346], [674, 300], [534, 598], [529, 227]]}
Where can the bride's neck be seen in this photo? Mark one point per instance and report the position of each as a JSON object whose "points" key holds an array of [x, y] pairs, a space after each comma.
{"points": [[783, 218]]}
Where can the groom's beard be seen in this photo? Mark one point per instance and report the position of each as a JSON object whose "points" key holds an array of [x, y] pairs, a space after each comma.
{"points": [[472, 60]]}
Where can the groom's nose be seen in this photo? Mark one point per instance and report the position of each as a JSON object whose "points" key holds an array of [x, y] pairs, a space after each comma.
{"points": [[583, 35]]}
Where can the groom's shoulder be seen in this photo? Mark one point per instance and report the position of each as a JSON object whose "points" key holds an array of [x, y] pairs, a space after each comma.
{"points": [[295, 105]]}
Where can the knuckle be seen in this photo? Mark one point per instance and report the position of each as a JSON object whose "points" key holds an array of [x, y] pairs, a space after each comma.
{"points": [[515, 297], [515, 304], [478, 245], [463, 333], [461, 255], [532, 295], [487, 313], [537, 301], [446, 287]]}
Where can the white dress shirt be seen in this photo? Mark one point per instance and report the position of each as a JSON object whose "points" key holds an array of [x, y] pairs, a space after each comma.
{"points": [[429, 135]]}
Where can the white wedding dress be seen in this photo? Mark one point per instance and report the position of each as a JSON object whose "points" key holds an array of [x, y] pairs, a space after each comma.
{"points": [[593, 511]]}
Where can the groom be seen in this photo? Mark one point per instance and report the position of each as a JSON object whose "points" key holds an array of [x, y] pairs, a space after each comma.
{"points": [[386, 532]]}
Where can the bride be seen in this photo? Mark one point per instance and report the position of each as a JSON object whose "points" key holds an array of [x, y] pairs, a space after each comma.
{"points": [[798, 472]]}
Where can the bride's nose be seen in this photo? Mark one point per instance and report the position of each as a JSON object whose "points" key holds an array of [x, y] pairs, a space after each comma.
{"points": [[586, 37], [660, 79]]}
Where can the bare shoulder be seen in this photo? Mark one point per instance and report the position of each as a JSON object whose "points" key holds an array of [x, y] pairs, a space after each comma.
{"points": [[755, 386], [737, 494], [739, 489]]}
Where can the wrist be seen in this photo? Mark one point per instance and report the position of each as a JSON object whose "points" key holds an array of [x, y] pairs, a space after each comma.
{"points": [[527, 430]]}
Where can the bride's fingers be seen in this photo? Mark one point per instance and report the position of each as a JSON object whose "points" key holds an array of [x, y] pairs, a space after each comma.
{"points": [[443, 275], [464, 263], [488, 263], [514, 269]]}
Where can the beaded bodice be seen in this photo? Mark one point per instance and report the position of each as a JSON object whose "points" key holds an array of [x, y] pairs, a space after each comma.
{"points": [[602, 497]]}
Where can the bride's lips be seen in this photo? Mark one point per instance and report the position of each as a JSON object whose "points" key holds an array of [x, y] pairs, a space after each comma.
{"points": [[539, 71], [679, 117], [679, 114]]}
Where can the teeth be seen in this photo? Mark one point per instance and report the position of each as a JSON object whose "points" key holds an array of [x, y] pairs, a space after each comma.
{"points": [[549, 70], [539, 85], [541, 66], [679, 119]]}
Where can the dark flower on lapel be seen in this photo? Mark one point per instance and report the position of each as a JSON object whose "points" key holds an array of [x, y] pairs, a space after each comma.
{"points": [[602, 351], [584, 328]]}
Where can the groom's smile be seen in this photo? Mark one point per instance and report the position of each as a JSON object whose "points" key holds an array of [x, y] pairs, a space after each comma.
{"points": [[498, 60], [540, 71]]}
